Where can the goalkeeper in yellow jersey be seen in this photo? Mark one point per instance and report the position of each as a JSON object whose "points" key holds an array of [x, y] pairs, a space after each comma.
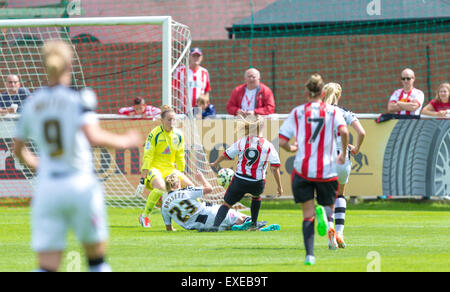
{"points": [[163, 155]]}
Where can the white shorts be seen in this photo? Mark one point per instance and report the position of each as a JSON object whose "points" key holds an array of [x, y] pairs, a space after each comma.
{"points": [[211, 212], [60, 204], [343, 171]]}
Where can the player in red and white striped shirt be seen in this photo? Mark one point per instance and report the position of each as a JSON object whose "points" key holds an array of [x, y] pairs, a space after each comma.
{"points": [[314, 126], [198, 79], [254, 153]]}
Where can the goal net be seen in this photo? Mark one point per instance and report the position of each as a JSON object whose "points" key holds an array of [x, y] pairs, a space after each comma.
{"points": [[129, 57]]}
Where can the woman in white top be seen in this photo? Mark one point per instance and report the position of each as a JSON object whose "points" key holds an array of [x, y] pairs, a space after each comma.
{"points": [[62, 124]]}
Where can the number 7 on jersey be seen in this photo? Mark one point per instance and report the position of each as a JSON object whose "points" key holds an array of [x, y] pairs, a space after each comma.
{"points": [[320, 122]]}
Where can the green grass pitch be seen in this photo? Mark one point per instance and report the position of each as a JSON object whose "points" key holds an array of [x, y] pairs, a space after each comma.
{"points": [[383, 235]]}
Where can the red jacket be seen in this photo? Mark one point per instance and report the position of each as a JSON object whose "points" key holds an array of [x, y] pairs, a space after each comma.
{"points": [[265, 102]]}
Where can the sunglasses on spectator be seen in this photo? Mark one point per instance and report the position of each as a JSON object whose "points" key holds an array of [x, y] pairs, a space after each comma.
{"points": [[407, 78]]}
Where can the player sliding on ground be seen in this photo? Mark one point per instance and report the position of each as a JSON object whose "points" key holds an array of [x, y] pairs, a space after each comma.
{"points": [[163, 155], [332, 94], [183, 206]]}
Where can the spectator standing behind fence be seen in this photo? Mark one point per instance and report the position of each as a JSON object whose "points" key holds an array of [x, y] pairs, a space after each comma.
{"points": [[252, 97], [407, 100], [198, 78], [12, 99], [440, 105], [140, 109]]}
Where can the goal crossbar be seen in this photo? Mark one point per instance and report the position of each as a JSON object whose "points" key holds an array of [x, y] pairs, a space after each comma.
{"points": [[164, 21], [153, 44], [91, 21]]}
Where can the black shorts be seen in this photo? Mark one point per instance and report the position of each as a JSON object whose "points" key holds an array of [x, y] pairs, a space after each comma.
{"points": [[304, 189], [239, 187]]}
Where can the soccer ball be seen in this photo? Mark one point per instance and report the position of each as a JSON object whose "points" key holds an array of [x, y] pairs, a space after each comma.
{"points": [[224, 177]]}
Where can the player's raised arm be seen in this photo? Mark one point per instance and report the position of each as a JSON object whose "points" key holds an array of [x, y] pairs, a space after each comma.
{"points": [[228, 154], [94, 132], [207, 187], [100, 137], [218, 161]]}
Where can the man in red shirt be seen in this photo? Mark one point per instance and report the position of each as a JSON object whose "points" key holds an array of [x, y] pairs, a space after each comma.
{"points": [[251, 98]]}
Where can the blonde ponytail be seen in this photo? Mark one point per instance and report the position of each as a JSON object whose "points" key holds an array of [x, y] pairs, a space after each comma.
{"points": [[332, 92], [57, 57]]}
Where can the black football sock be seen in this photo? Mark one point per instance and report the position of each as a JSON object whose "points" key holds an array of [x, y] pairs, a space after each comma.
{"points": [[308, 235], [254, 210], [98, 265], [221, 214]]}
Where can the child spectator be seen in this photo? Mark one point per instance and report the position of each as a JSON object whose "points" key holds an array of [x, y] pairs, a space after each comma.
{"points": [[208, 110]]}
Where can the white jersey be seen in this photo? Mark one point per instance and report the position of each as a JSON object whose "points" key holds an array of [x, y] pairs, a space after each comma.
{"points": [[183, 207], [68, 195], [187, 211], [349, 118], [52, 118], [314, 126], [254, 154], [414, 95], [197, 83]]}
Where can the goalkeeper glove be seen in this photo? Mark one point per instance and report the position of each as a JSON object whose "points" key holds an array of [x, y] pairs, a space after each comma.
{"points": [[140, 188]]}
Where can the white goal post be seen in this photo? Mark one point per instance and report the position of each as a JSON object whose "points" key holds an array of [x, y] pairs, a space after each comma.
{"points": [[164, 21]]}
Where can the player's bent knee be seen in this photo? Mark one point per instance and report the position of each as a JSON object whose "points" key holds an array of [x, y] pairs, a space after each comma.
{"points": [[158, 183], [227, 205]]}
